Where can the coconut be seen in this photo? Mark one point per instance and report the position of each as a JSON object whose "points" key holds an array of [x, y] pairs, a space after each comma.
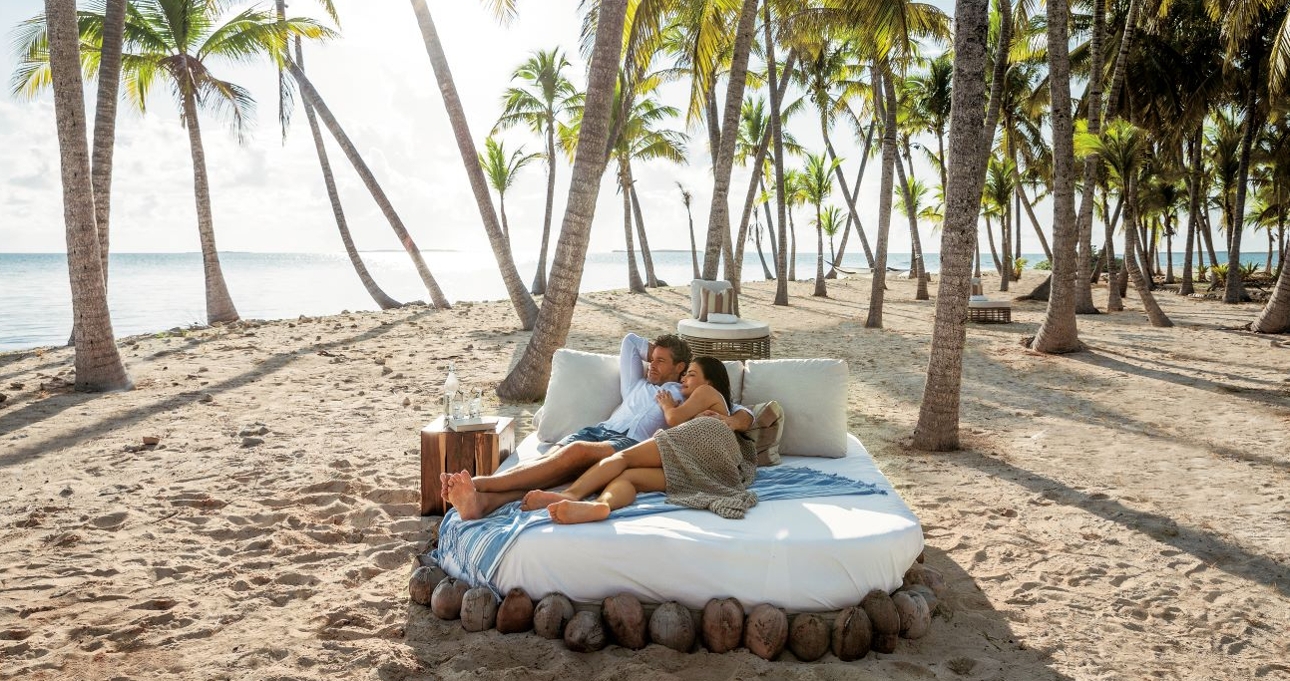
{"points": [[422, 583], [445, 602], [766, 631], [919, 573], [672, 625], [584, 633], [809, 637], [852, 634], [478, 609], [552, 616], [928, 595], [515, 614], [625, 619], [723, 624], [915, 619], [885, 619]]}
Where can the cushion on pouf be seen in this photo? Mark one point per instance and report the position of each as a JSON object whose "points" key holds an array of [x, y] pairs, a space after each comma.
{"points": [[813, 394], [697, 289], [583, 391]]}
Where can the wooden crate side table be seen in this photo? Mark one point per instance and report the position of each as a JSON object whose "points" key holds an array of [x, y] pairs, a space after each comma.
{"points": [[444, 450]]}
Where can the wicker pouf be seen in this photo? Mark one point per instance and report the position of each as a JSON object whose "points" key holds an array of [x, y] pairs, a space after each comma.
{"points": [[745, 339], [990, 311]]}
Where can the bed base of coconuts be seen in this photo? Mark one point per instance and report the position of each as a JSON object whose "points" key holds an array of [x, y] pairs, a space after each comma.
{"points": [[877, 623]]}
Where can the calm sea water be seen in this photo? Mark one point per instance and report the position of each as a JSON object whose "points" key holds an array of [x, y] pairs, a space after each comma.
{"points": [[149, 292]]}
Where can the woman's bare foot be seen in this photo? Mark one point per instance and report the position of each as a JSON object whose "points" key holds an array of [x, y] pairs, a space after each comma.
{"points": [[539, 498], [465, 498], [568, 512]]}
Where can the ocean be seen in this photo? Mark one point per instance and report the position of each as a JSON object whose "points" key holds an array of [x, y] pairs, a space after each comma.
{"points": [[150, 292]]}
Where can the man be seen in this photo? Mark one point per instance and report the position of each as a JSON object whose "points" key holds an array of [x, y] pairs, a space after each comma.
{"points": [[633, 421]]}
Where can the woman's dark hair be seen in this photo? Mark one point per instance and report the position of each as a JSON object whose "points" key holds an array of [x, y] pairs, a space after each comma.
{"points": [[715, 372]]}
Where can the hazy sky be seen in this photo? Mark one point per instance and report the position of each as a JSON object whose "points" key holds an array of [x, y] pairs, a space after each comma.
{"points": [[268, 195]]}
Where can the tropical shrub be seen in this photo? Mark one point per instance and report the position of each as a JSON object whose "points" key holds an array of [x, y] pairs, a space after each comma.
{"points": [[1044, 265]]}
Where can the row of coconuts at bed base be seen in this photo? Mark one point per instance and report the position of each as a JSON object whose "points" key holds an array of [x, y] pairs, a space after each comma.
{"points": [[876, 624]]}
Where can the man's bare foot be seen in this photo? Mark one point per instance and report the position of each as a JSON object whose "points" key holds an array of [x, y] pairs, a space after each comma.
{"points": [[444, 478], [465, 498], [568, 512], [539, 498]]}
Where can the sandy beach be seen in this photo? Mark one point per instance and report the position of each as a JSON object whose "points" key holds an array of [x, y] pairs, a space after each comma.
{"points": [[1116, 514]]}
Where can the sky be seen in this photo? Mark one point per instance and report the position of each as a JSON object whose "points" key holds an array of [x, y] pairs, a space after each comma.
{"points": [[268, 195]]}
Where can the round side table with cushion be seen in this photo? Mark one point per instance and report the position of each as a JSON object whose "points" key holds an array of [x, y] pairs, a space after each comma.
{"points": [[744, 339]]}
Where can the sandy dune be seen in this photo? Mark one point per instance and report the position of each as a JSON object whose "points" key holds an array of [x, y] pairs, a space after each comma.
{"points": [[1119, 513]]}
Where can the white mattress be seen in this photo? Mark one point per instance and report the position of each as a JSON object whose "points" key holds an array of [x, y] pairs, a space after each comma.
{"points": [[805, 555]]}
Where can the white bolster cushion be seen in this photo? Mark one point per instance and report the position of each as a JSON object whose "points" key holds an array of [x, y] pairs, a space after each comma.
{"points": [[583, 391], [813, 394]]}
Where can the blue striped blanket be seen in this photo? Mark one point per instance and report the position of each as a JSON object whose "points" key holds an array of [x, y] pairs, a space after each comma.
{"points": [[476, 547]]}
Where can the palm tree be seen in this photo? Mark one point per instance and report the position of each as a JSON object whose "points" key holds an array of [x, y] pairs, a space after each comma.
{"points": [[501, 170], [938, 414], [794, 196], [542, 102], [176, 41], [719, 214], [528, 380], [832, 221], [97, 362], [1122, 146], [525, 307], [686, 198], [1059, 333], [817, 184], [995, 202]]}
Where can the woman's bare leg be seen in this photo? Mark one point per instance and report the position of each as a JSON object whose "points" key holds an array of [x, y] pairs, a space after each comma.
{"points": [[620, 492], [643, 455]]}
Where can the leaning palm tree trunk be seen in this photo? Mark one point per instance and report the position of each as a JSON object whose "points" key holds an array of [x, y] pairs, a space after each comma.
{"points": [[314, 100], [1059, 333], [750, 200], [1084, 284], [379, 296], [97, 362], [938, 415], [539, 276], [846, 193], [520, 298], [765, 271], [634, 283], [650, 280], [916, 260], [719, 214], [219, 305], [105, 120], [1154, 313], [527, 381]]}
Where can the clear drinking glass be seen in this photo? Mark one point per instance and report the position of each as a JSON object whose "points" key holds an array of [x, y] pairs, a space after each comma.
{"points": [[459, 406], [476, 403]]}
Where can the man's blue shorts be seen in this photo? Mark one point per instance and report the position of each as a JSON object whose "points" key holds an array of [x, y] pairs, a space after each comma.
{"points": [[619, 441]]}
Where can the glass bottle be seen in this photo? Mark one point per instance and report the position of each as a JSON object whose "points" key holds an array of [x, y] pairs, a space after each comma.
{"points": [[450, 385]]}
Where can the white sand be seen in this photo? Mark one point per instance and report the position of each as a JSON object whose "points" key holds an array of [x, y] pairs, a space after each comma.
{"points": [[1119, 513]]}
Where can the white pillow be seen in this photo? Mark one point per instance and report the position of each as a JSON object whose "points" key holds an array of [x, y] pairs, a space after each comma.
{"points": [[735, 370], [583, 391], [813, 393]]}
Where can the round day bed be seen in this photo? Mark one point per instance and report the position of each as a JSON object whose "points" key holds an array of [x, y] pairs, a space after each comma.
{"points": [[812, 554]]}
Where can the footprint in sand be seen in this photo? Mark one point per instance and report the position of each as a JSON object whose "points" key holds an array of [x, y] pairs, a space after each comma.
{"points": [[110, 522]]}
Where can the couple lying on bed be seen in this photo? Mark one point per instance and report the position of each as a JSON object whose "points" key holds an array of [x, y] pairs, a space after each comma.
{"points": [[693, 455]]}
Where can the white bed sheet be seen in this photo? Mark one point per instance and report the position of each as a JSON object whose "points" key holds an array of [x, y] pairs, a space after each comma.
{"points": [[805, 555]]}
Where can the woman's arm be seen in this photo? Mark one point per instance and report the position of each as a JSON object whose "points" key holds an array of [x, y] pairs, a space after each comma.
{"points": [[704, 398]]}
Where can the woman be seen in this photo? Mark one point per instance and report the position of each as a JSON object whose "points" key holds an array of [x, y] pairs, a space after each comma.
{"points": [[698, 461]]}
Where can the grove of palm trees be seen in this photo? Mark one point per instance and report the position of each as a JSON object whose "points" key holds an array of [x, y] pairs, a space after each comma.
{"points": [[1101, 481]]}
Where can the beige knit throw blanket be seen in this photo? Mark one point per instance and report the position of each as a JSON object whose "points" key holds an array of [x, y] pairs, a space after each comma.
{"points": [[707, 467]]}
